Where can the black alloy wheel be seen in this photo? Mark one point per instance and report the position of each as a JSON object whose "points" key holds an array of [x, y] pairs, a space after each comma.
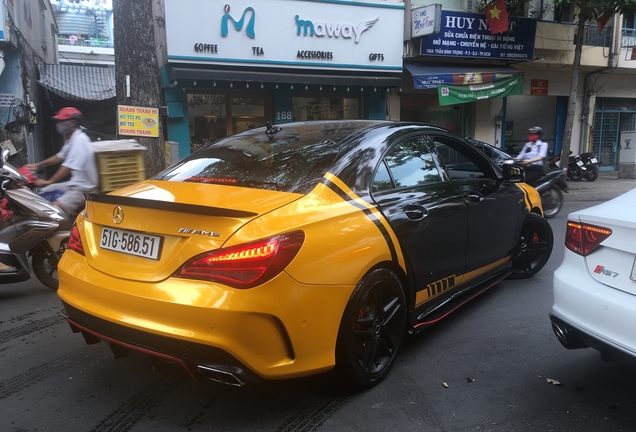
{"points": [[372, 329], [551, 201], [533, 248]]}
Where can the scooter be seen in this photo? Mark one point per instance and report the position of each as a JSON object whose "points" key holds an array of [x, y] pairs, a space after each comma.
{"points": [[29, 227], [576, 169], [591, 166], [551, 187]]}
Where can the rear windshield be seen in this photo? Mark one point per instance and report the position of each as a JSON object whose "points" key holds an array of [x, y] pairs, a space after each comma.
{"points": [[289, 163]]}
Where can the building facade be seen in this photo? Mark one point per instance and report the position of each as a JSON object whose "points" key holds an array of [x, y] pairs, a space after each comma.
{"points": [[27, 39], [541, 48], [237, 65]]}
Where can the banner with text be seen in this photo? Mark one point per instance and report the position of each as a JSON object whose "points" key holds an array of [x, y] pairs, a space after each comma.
{"points": [[465, 34], [138, 121], [452, 95]]}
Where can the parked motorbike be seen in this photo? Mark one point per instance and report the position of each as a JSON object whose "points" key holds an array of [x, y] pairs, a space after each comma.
{"points": [[29, 227], [576, 169], [591, 166]]}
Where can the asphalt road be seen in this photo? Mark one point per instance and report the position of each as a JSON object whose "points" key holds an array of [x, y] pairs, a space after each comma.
{"points": [[496, 356]]}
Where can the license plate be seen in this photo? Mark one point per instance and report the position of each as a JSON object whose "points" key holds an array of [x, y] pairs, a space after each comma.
{"points": [[580, 163], [594, 160], [130, 242]]}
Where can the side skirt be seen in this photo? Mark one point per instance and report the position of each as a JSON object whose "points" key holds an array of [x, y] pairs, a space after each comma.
{"points": [[422, 322]]}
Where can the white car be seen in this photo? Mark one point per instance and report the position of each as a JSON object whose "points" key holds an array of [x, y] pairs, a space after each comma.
{"points": [[595, 286]]}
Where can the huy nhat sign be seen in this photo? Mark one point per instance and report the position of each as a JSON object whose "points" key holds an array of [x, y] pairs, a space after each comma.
{"points": [[465, 34]]}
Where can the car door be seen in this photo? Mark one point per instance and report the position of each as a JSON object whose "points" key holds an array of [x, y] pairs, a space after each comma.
{"points": [[427, 213], [493, 205]]}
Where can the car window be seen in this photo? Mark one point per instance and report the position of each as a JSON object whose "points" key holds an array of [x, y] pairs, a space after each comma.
{"points": [[409, 163], [291, 164], [382, 180], [461, 161]]}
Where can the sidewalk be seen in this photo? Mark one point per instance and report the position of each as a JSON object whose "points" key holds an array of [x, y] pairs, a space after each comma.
{"points": [[606, 187]]}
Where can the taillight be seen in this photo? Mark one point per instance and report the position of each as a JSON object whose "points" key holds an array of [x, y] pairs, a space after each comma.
{"points": [[75, 241], [583, 238], [246, 265]]}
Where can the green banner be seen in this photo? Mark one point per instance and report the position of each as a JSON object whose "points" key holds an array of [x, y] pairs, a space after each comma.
{"points": [[459, 94]]}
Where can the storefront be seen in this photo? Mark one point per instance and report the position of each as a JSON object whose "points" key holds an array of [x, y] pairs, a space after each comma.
{"points": [[459, 75], [237, 66]]}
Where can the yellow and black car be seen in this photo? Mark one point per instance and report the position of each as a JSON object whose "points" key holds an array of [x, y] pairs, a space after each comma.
{"points": [[289, 250]]}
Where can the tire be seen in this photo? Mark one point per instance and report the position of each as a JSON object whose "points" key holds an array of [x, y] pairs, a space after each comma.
{"points": [[44, 264], [575, 174], [533, 248], [592, 173], [551, 201], [372, 329]]}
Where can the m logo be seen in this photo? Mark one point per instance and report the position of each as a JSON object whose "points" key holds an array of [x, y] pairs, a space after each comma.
{"points": [[238, 25]]}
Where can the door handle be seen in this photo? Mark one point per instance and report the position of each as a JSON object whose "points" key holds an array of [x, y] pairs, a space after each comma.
{"points": [[475, 197], [415, 212]]}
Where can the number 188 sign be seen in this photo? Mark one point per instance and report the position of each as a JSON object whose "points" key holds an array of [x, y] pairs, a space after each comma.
{"points": [[138, 121]]}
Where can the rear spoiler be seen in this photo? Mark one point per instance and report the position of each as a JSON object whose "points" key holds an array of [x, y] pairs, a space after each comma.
{"points": [[167, 206]]}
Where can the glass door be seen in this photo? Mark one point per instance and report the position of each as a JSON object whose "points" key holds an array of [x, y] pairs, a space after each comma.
{"points": [[213, 116]]}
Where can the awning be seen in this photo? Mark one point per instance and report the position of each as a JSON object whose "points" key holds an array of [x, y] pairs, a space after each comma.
{"points": [[78, 82], [285, 77], [428, 76]]}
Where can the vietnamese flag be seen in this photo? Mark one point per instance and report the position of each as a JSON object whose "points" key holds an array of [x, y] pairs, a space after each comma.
{"points": [[497, 17]]}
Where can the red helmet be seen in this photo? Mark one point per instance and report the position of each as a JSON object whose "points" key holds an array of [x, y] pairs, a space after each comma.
{"points": [[68, 113]]}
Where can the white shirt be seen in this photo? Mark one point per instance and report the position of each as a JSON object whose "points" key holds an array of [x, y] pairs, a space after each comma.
{"points": [[530, 151], [78, 157]]}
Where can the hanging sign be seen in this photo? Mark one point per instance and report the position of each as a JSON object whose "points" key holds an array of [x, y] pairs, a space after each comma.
{"points": [[452, 95], [138, 121], [426, 20]]}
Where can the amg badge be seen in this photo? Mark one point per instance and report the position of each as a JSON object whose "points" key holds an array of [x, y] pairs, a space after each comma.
{"points": [[199, 232]]}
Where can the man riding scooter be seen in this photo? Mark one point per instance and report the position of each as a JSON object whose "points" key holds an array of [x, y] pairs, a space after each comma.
{"points": [[549, 184], [76, 158], [532, 155]]}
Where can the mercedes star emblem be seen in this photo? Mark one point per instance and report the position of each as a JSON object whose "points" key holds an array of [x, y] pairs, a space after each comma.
{"points": [[118, 215]]}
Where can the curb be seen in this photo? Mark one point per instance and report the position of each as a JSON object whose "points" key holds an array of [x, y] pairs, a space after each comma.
{"points": [[606, 187]]}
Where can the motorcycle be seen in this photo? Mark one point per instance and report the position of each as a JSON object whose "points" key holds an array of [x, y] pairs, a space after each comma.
{"points": [[591, 166], [576, 169], [29, 227], [551, 187]]}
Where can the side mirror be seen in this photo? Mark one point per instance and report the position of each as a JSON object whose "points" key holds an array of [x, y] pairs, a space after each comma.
{"points": [[513, 173]]}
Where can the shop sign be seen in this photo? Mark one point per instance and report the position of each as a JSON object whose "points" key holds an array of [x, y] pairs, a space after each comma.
{"points": [[452, 95], [426, 20], [138, 121], [334, 34], [539, 87], [465, 34], [432, 81]]}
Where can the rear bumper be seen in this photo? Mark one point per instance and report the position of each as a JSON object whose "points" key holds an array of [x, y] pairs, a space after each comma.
{"points": [[282, 329], [595, 315], [200, 361]]}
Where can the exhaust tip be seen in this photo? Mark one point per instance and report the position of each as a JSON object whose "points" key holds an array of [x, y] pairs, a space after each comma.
{"points": [[221, 376], [567, 336]]}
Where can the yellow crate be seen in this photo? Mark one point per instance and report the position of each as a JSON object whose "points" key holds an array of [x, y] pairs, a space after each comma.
{"points": [[120, 169]]}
